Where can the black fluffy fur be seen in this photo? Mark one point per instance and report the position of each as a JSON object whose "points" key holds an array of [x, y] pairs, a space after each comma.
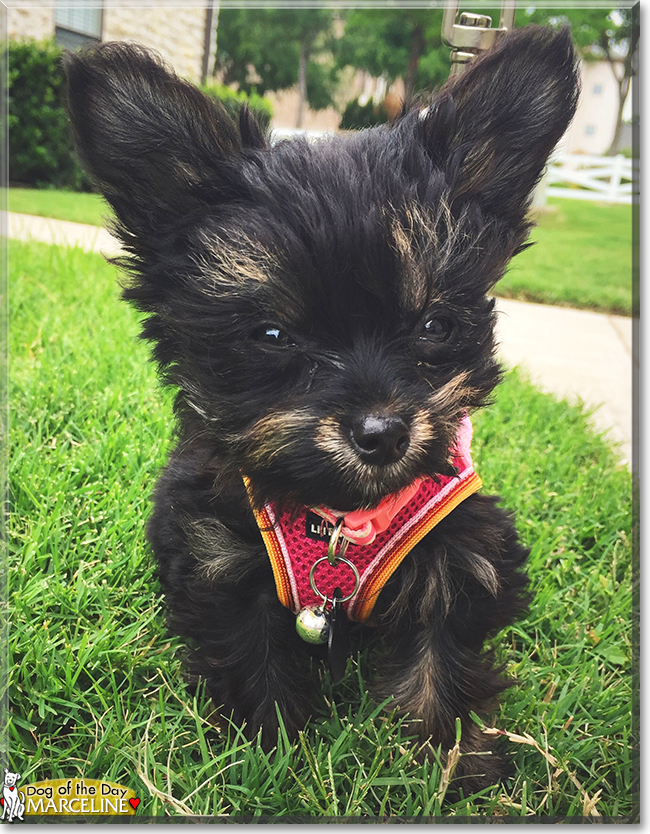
{"points": [[345, 251]]}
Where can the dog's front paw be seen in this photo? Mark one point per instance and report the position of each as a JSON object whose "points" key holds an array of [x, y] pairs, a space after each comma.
{"points": [[260, 710]]}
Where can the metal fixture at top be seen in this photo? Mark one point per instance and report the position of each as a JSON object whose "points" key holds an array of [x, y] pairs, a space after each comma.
{"points": [[473, 33]]}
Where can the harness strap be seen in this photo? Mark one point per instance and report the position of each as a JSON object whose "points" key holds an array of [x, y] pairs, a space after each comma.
{"points": [[293, 542]]}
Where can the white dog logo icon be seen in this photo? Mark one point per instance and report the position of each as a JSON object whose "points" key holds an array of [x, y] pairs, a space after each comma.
{"points": [[13, 804]]}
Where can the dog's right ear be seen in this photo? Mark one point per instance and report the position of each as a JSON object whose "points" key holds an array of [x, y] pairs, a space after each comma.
{"points": [[157, 147]]}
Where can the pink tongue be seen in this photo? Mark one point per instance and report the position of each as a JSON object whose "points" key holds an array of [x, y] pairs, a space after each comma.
{"points": [[382, 515]]}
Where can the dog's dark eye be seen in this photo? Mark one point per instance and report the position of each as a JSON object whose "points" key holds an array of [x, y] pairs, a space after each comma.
{"points": [[438, 329], [271, 334]]}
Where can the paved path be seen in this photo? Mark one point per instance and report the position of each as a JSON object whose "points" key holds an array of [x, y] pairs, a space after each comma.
{"points": [[28, 227], [575, 354]]}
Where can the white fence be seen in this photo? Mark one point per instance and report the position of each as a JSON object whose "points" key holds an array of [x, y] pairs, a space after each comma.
{"points": [[605, 178], [576, 176], [280, 133]]}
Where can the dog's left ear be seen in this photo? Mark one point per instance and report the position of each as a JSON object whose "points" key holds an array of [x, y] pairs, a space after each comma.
{"points": [[492, 128]]}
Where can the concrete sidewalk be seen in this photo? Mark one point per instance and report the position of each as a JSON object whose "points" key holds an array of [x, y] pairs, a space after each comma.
{"points": [[575, 354], [29, 227]]}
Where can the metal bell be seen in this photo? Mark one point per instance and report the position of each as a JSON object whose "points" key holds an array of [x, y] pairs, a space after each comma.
{"points": [[313, 624]]}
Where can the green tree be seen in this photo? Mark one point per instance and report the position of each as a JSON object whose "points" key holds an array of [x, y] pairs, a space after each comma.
{"points": [[599, 34], [396, 43], [274, 49], [400, 43]]}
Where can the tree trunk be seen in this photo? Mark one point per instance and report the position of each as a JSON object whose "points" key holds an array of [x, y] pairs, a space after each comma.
{"points": [[302, 82], [623, 87], [629, 70], [416, 48]]}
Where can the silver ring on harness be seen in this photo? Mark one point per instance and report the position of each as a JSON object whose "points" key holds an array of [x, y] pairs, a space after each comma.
{"points": [[332, 556], [323, 596]]}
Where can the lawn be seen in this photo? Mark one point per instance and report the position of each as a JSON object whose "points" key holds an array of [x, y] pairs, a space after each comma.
{"points": [[78, 207], [583, 257], [96, 686]]}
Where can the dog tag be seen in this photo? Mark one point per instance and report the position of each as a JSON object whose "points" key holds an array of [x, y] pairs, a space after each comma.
{"points": [[338, 641]]}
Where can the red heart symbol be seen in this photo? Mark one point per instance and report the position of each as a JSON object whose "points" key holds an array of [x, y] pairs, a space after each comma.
{"points": [[2, 802], [13, 788], [134, 802]]}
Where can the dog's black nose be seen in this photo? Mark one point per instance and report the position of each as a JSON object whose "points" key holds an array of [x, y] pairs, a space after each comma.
{"points": [[380, 438]]}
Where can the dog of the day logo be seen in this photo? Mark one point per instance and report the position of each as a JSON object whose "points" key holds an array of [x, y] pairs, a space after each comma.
{"points": [[66, 797], [13, 800]]}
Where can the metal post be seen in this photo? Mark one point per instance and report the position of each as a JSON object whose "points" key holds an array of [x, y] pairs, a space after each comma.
{"points": [[473, 33], [209, 34]]}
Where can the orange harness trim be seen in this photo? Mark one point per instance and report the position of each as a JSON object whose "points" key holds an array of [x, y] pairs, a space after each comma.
{"points": [[370, 589], [273, 548]]}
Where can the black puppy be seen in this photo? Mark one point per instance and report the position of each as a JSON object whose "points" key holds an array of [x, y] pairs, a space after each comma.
{"points": [[322, 310]]}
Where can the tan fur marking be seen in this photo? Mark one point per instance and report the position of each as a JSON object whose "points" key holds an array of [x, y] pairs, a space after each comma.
{"points": [[484, 572], [422, 432], [274, 434], [415, 237], [235, 262], [331, 439], [417, 693], [242, 267], [414, 287], [219, 554], [453, 394]]}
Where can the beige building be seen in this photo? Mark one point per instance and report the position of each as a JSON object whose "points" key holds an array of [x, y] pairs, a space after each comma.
{"points": [[591, 132], [592, 129], [285, 103], [353, 85], [183, 33]]}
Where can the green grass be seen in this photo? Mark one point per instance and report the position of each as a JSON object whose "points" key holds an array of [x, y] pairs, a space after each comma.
{"points": [[583, 257], [96, 686], [78, 207]]}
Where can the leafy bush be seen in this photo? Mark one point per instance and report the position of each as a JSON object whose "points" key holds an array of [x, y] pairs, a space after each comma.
{"points": [[41, 153], [40, 145], [357, 116], [233, 100]]}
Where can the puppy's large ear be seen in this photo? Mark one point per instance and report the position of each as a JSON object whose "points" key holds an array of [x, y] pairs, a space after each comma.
{"points": [[493, 127], [157, 147]]}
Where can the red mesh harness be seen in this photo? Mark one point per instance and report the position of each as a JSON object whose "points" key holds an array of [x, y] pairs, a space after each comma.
{"points": [[378, 539]]}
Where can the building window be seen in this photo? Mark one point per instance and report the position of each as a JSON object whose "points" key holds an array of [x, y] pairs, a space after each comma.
{"points": [[76, 24], [590, 130], [598, 89]]}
